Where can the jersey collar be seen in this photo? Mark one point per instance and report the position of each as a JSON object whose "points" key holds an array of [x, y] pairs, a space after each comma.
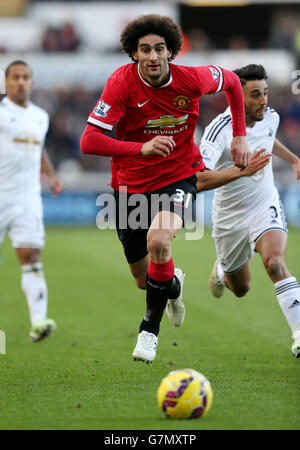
{"points": [[148, 84], [7, 101]]}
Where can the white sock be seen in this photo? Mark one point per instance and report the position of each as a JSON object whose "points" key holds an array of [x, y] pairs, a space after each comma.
{"points": [[220, 272], [288, 296], [35, 289]]}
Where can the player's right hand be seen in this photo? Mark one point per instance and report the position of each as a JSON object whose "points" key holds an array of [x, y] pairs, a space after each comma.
{"points": [[296, 169], [240, 151], [259, 159], [56, 186], [160, 145]]}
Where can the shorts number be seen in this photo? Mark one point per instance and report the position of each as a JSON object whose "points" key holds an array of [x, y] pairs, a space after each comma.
{"points": [[274, 213], [179, 197]]}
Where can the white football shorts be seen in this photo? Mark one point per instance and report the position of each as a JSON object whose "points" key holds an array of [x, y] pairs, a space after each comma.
{"points": [[235, 248], [23, 222]]}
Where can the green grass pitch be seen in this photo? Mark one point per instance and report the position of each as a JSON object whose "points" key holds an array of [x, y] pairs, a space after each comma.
{"points": [[83, 377]]}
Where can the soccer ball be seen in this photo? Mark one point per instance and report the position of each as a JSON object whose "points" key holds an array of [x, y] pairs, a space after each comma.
{"points": [[185, 394]]}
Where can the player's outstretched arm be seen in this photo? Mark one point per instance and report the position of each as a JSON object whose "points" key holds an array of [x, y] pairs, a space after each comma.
{"points": [[211, 179], [240, 151], [47, 168], [160, 145], [95, 142], [234, 94], [284, 153]]}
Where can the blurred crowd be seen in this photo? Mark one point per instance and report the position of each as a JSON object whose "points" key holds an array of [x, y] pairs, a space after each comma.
{"points": [[66, 38], [61, 39], [69, 109]]}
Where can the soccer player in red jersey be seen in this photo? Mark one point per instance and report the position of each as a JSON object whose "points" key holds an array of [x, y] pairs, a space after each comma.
{"points": [[155, 106]]}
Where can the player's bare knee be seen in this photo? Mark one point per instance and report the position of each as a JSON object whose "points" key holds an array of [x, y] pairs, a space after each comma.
{"points": [[275, 266], [241, 290], [158, 246], [29, 256]]}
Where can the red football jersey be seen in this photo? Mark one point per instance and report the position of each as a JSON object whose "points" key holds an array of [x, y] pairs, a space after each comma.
{"points": [[141, 112]]}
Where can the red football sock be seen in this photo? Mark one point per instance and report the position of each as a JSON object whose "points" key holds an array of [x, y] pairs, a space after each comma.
{"points": [[161, 272]]}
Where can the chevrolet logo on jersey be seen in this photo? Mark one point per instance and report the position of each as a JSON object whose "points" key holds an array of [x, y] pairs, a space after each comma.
{"points": [[168, 121]]}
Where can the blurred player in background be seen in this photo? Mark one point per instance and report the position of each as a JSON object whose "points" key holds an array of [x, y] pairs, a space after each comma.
{"points": [[247, 214], [23, 127], [155, 105]]}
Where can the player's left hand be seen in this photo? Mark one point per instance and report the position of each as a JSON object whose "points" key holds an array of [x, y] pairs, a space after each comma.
{"points": [[296, 169], [240, 151], [56, 186]]}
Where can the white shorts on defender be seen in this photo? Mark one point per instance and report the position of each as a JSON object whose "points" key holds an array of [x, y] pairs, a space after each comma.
{"points": [[23, 222], [234, 247]]}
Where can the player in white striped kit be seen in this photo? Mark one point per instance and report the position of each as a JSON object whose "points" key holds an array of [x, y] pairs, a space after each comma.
{"points": [[247, 213], [23, 127]]}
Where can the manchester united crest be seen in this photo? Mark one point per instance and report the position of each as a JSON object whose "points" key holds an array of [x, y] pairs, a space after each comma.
{"points": [[181, 101]]}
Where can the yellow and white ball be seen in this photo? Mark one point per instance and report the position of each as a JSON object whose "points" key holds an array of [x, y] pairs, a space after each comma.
{"points": [[185, 394]]}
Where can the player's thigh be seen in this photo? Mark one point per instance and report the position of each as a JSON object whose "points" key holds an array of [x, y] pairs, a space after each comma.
{"points": [[164, 228], [7, 215], [165, 222], [233, 249], [269, 219], [134, 243], [271, 246], [27, 229], [133, 236], [170, 205], [273, 242], [176, 198]]}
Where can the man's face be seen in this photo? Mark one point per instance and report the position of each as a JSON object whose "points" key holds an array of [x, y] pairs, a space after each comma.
{"points": [[256, 97], [18, 84], [152, 55]]}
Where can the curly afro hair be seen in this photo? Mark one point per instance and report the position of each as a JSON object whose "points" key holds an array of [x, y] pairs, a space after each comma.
{"points": [[151, 24]]}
